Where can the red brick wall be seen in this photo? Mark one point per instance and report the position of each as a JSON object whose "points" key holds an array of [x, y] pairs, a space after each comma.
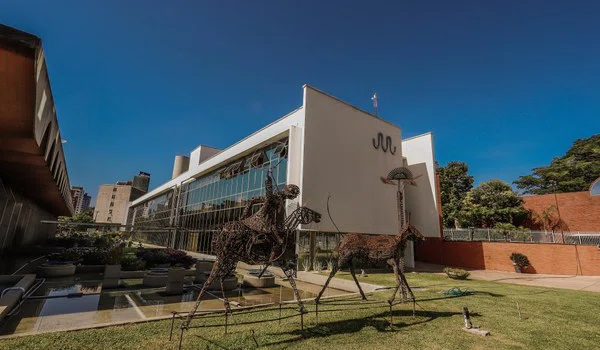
{"points": [[578, 210], [558, 259]]}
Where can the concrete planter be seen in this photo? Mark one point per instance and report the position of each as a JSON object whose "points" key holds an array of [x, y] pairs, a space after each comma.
{"points": [[133, 274], [255, 282], [203, 269], [89, 268], [519, 268], [201, 276], [154, 280], [204, 265], [229, 283], [112, 273], [56, 270], [175, 279]]}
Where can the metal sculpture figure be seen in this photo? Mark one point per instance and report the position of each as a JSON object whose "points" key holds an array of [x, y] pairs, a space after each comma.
{"points": [[242, 241], [379, 248], [269, 219], [400, 177], [373, 249]]}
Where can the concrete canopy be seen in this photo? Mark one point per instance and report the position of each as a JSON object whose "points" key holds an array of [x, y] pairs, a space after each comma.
{"points": [[32, 160]]}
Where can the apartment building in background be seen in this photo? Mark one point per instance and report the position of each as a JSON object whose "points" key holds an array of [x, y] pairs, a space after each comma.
{"points": [[81, 200], [112, 201], [141, 181]]}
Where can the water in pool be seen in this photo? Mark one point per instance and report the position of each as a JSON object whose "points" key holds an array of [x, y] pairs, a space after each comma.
{"points": [[79, 301]]}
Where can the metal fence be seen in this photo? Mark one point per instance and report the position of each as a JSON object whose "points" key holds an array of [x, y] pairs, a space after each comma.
{"points": [[492, 235]]}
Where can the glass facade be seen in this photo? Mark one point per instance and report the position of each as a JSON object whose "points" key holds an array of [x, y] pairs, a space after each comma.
{"points": [[316, 248], [206, 203]]}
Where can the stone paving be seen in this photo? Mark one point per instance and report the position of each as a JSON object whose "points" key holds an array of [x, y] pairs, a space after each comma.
{"points": [[583, 283]]}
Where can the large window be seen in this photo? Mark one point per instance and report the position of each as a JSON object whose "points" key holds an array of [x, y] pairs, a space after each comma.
{"points": [[206, 203], [155, 212]]}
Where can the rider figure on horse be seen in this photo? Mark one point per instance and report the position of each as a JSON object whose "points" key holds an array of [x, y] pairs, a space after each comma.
{"points": [[269, 219]]}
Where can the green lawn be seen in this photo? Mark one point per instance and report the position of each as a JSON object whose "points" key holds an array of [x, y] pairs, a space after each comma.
{"points": [[552, 319]]}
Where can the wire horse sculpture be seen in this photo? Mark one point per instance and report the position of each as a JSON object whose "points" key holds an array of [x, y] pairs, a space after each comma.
{"points": [[249, 240], [373, 249]]}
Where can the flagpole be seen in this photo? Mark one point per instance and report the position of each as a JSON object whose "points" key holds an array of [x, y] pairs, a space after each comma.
{"points": [[375, 103]]}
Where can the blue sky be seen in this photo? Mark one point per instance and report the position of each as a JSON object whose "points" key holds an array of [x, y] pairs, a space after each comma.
{"points": [[504, 85]]}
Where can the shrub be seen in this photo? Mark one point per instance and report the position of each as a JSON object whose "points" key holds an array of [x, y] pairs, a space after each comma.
{"points": [[180, 258], [519, 259], [70, 241], [458, 274], [94, 257], [317, 265], [132, 263], [306, 264], [172, 257], [505, 229], [114, 255], [67, 255], [330, 264], [153, 257]]}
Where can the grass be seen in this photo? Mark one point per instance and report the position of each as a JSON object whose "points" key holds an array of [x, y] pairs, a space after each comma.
{"points": [[551, 319]]}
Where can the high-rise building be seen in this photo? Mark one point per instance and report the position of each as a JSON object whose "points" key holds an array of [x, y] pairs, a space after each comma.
{"points": [[113, 200], [81, 200], [141, 181], [85, 203], [34, 183]]}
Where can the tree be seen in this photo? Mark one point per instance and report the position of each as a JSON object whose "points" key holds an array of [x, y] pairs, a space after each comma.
{"points": [[573, 172], [455, 183], [548, 218], [491, 203], [83, 217], [509, 230]]}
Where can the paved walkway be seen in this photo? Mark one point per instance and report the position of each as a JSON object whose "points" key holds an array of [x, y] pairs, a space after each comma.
{"points": [[586, 283]]}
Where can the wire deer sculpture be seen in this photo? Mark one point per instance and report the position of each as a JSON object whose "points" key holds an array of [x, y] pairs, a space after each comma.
{"points": [[237, 242]]}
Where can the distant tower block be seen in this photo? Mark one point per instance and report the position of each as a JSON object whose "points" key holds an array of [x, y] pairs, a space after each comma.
{"points": [[141, 181], [181, 165]]}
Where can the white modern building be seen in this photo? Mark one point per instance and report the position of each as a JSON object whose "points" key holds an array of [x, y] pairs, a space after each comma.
{"points": [[332, 150]]}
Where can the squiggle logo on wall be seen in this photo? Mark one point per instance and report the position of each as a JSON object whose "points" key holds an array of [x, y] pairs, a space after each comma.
{"points": [[384, 146]]}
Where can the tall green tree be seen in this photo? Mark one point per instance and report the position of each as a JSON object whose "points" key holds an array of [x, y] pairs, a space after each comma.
{"points": [[455, 183], [573, 172], [490, 203], [65, 225]]}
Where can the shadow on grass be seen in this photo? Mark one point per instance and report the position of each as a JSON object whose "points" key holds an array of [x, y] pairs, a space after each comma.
{"points": [[350, 326]]}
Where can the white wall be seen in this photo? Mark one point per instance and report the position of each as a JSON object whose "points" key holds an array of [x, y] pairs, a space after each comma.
{"points": [[422, 201], [294, 164], [201, 154], [339, 159]]}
